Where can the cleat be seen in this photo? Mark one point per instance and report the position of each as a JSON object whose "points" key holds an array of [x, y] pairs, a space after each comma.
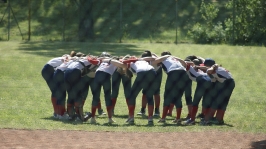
{"points": [[189, 122], [100, 112], [87, 116], [201, 115], [55, 116], [110, 121], [217, 122], [188, 117], [130, 120], [205, 123], [156, 112], [150, 121], [177, 121], [161, 120], [142, 112]]}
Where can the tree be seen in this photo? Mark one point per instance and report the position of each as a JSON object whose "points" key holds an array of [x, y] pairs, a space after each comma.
{"points": [[85, 30]]}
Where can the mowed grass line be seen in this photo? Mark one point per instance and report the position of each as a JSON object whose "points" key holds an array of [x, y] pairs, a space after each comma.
{"points": [[25, 97]]}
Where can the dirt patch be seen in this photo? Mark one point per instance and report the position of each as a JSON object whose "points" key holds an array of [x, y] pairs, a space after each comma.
{"points": [[10, 138]]}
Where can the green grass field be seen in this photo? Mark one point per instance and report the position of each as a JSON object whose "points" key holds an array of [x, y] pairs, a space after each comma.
{"points": [[25, 97]]}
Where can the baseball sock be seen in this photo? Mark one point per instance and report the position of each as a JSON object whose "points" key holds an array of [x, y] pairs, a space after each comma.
{"points": [[170, 110], [189, 107], [109, 111], [220, 115], [165, 110], [53, 100], [131, 110], [93, 110], [113, 103], [210, 114], [178, 113], [157, 100], [194, 112], [150, 110], [144, 101]]}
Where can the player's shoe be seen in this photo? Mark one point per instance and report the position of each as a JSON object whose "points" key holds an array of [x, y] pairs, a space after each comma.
{"points": [[177, 121], [162, 120], [150, 121], [217, 122], [201, 115], [55, 116], [156, 112], [87, 116], [65, 116], [142, 111], [130, 120], [189, 122], [110, 121], [205, 123], [100, 112]]}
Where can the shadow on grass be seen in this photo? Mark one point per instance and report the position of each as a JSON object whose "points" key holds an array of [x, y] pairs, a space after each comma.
{"points": [[55, 49]]}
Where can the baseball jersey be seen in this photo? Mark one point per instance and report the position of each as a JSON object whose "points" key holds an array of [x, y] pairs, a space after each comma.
{"points": [[193, 74], [140, 66], [171, 64], [221, 74], [55, 62], [78, 65], [64, 66], [106, 67]]}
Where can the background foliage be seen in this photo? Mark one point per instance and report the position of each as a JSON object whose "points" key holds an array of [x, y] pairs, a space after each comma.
{"points": [[206, 21]]}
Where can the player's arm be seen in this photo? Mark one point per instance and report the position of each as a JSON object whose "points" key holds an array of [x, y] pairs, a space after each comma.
{"points": [[115, 62], [160, 59], [181, 61], [212, 69]]}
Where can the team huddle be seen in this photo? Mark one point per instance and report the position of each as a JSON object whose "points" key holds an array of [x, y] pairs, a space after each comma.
{"points": [[70, 76]]}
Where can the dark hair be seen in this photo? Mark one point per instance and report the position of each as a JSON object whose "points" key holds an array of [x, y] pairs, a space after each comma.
{"points": [[190, 58], [197, 61], [209, 62], [146, 53], [165, 53]]}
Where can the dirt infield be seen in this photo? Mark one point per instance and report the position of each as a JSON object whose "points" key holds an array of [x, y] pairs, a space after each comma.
{"points": [[10, 138]]}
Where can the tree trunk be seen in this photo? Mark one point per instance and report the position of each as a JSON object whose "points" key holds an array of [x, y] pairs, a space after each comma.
{"points": [[86, 20]]}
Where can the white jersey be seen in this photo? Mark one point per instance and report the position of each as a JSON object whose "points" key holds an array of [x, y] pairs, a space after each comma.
{"points": [[78, 65], [64, 66], [171, 64], [193, 74], [140, 66], [55, 62], [221, 74], [108, 68]]}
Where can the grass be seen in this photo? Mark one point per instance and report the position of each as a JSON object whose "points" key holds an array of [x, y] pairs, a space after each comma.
{"points": [[25, 97]]}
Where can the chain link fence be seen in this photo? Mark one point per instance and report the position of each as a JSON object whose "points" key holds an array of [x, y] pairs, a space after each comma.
{"points": [[152, 21]]}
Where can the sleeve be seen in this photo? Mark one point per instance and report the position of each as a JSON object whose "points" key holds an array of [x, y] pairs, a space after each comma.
{"points": [[94, 61]]}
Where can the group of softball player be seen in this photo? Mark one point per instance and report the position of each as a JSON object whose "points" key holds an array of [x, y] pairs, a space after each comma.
{"points": [[70, 76]]}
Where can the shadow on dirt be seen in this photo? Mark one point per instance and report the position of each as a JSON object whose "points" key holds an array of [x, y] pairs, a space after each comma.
{"points": [[258, 144]]}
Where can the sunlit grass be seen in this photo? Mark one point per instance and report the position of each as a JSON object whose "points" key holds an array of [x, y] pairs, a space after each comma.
{"points": [[25, 97]]}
